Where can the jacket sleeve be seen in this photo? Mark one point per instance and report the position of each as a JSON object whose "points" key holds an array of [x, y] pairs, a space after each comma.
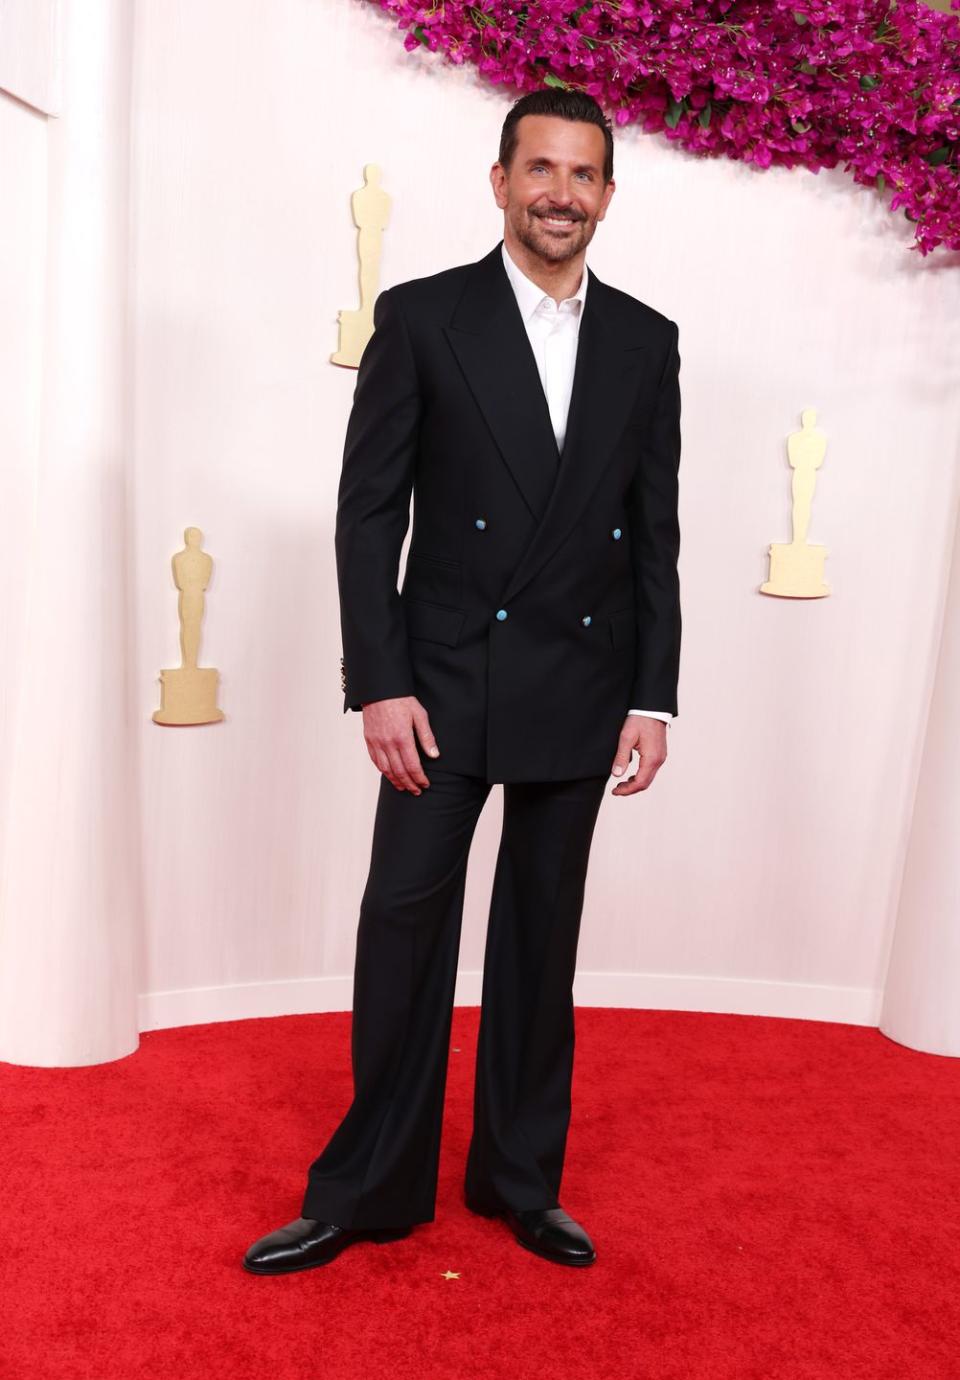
{"points": [[373, 511], [652, 501]]}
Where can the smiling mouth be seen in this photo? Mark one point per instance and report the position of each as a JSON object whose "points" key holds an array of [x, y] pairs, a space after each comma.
{"points": [[558, 221]]}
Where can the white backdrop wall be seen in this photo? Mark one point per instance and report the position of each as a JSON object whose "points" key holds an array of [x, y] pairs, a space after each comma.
{"points": [[760, 872]]}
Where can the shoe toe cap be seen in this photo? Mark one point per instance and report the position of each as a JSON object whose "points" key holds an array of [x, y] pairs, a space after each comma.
{"points": [[288, 1243], [556, 1232], [574, 1244]]}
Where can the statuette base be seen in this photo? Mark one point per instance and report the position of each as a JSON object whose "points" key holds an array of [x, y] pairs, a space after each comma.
{"points": [[796, 570], [188, 696], [356, 328]]}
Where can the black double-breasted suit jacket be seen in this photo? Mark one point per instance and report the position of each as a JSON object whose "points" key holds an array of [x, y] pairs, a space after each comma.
{"points": [[540, 598]]}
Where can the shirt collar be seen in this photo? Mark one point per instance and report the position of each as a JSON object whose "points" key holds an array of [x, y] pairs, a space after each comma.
{"points": [[529, 295]]}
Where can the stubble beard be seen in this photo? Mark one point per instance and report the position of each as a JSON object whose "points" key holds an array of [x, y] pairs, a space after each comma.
{"points": [[535, 236]]}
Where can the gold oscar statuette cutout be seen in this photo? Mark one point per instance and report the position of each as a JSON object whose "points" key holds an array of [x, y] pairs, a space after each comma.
{"points": [[796, 567], [188, 693], [371, 211]]}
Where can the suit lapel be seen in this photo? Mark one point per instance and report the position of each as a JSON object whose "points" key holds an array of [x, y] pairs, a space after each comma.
{"points": [[489, 339]]}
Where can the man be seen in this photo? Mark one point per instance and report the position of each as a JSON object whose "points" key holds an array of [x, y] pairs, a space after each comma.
{"points": [[534, 413]]}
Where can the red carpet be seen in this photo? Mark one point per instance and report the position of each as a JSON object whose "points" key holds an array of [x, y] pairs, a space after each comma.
{"points": [[768, 1198]]}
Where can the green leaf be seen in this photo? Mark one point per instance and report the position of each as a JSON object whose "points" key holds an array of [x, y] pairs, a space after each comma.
{"points": [[675, 109], [867, 82], [551, 79], [938, 156], [419, 32], [800, 18], [881, 183], [801, 126], [704, 116], [808, 67]]}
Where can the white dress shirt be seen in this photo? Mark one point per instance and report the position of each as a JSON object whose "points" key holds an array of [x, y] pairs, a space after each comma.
{"points": [[553, 330]]}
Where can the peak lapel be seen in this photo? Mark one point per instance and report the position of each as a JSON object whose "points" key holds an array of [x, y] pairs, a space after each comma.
{"points": [[488, 336], [606, 377], [489, 339]]}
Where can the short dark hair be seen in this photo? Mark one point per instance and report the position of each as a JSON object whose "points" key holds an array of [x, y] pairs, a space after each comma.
{"points": [[568, 105]]}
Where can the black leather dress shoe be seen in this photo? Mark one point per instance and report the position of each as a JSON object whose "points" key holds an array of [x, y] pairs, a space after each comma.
{"points": [[549, 1232], [306, 1242]]}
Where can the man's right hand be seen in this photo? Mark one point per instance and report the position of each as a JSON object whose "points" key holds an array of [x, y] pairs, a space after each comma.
{"points": [[388, 730]]}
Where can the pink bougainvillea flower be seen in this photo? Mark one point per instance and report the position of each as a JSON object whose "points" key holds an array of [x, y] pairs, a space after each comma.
{"points": [[871, 84]]}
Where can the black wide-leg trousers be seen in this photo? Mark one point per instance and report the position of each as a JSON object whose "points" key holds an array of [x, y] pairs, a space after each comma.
{"points": [[379, 1168]]}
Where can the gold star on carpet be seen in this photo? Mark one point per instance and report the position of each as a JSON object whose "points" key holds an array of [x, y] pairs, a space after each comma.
{"points": [[450, 1274]]}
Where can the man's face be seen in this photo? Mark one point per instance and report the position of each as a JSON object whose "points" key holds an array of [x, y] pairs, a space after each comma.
{"points": [[554, 194]]}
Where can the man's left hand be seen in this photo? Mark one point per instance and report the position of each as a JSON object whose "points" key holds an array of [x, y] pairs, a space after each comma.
{"points": [[649, 737]]}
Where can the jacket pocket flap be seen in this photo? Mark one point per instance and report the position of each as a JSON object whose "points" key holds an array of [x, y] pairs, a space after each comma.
{"points": [[434, 622], [623, 627]]}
